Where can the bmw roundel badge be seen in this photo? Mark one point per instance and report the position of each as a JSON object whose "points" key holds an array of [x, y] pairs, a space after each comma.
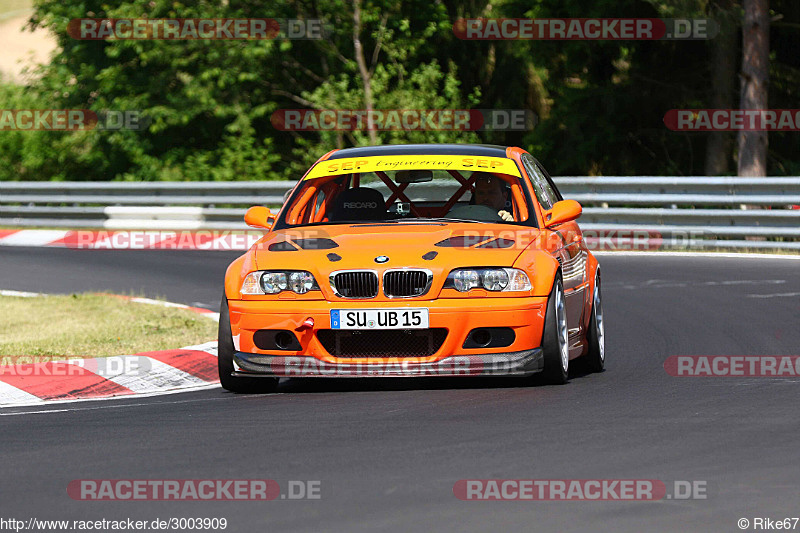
{"points": [[381, 259]]}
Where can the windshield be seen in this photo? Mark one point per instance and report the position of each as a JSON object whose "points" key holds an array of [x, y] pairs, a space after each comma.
{"points": [[421, 193]]}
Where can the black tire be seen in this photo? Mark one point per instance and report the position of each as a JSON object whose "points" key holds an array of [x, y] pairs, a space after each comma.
{"points": [[225, 351], [595, 359], [554, 338]]}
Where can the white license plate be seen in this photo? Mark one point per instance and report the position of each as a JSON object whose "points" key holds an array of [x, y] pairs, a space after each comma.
{"points": [[409, 318]]}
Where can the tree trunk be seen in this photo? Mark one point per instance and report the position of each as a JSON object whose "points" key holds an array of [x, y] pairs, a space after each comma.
{"points": [[755, 74], [366, 78], [719, 150]]}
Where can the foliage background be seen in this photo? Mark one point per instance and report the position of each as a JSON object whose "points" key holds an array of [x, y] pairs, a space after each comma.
{"points": [[600, 103]]}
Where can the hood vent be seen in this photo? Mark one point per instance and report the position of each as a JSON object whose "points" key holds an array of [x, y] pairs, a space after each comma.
{"points": [[316, 244], [305, 244], [463, 241], [497, 243]]}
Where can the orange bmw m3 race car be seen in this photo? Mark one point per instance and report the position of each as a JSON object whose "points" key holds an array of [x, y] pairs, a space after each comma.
{"points": [[413, 260]]}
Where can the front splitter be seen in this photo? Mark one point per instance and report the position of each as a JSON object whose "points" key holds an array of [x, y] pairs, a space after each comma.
{"points": [[522, 363]]}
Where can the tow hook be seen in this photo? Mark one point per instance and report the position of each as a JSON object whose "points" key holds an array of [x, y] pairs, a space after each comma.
{"points": [[308, 323]]}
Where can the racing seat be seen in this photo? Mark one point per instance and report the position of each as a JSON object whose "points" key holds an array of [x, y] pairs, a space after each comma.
{"points": [[357, 204]]}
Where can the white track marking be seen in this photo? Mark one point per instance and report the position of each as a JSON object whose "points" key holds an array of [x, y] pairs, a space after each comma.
{"points": [[776, 295], [21, 294], [199, 310], [208, 347], [666, 284], [144, 395], [150, 301], [138, 299]]}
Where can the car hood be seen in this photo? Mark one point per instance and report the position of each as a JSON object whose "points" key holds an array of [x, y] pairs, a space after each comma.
{"points": [[435, 246]]}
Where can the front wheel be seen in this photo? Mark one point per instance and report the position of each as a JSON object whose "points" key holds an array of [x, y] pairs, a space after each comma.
{"points": [[554, 337], [225, 351]]}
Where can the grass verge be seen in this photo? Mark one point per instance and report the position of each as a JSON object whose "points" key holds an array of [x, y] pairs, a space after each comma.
{"points": [[95, 325]]}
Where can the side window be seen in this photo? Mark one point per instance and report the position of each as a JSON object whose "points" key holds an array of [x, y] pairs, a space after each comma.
{"points": [[544, 191]]}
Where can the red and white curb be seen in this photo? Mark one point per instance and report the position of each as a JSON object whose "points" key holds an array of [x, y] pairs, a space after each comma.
{"points": [[147, 373]]}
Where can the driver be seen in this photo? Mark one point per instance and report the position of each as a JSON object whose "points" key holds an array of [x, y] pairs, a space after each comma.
{"points": [[491, 191]]}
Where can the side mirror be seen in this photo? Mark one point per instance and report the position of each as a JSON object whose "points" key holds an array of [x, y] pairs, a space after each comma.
{"points": [[259, 216], [562, 211]]}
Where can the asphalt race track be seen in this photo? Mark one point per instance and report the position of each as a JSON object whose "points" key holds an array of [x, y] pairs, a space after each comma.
{"points": [[387, 453]]}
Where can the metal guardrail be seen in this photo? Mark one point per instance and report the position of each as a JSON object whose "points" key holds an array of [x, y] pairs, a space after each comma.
{"points": [[136, 205], [703, 212], [694, 212]]}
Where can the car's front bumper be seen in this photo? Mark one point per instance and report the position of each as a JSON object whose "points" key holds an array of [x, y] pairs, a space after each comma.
{"points": [[523, 363], [525, 316]]}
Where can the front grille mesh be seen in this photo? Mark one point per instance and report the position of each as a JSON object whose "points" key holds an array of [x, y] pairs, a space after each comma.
{"points": [[382, 343], [405, 283], [359, 284]]}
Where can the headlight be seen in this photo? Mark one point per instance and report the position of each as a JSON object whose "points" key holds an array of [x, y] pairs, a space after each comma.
{"points": [[275, 281], [495, 280], [465, 280], [301, 282], [492, 279]]}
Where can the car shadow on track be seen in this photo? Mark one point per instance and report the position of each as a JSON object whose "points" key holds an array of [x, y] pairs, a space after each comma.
{"points": [[315, 385], [321, 385]]}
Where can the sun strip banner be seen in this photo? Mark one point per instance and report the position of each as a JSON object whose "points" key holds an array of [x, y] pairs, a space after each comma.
{"points": [[335, 167]]}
